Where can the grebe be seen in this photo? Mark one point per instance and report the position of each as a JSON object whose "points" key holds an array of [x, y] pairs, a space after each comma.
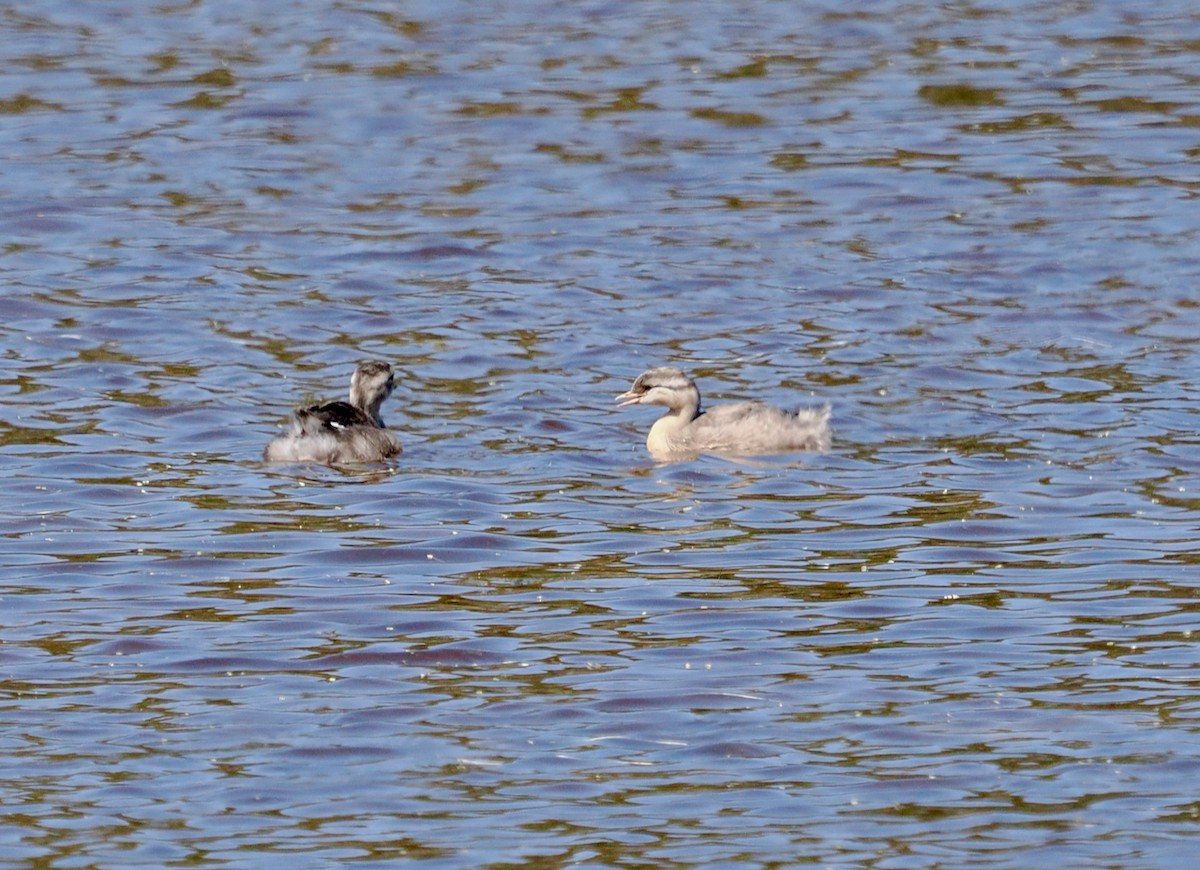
{"points": [[339, 432], [745, 428]]}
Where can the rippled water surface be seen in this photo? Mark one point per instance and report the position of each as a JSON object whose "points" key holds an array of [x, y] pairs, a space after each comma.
{"points": [[966, 636]]}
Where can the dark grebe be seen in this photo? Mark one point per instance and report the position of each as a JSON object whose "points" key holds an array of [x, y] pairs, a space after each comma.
{"points": [[745, 428], [340, 432]]}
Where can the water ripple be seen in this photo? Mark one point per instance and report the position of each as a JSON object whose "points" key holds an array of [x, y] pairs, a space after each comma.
{"points": [[964, 636]]}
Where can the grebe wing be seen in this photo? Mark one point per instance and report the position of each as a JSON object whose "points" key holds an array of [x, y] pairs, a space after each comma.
{"points": [[336, 415], [752, 427]]}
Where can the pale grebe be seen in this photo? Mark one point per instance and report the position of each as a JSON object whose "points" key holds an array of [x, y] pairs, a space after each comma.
{"points": [[339, 432], [745, 428]]}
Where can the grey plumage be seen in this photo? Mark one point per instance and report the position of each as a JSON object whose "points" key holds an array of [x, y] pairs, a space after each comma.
{"points": [[341, 432], [743, 428]]}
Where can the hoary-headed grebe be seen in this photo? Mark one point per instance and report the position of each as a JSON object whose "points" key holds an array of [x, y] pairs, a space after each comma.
{"points": [[339, 432], [745, 428]]}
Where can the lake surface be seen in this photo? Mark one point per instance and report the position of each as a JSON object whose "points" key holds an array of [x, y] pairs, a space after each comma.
{"points": [[967, 636]]}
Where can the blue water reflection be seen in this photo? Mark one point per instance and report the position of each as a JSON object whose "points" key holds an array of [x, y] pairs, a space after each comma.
{"points": [[964, 636]]}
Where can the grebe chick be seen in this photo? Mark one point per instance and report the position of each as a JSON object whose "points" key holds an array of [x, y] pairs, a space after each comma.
{"points": [[339, 432], [745, 428]]}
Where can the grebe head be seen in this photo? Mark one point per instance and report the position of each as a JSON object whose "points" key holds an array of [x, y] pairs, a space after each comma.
{"points": [[371, 383], [666, 385]]}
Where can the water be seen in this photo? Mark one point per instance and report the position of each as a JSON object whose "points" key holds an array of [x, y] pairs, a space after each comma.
{"points": [[965, 636]]}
